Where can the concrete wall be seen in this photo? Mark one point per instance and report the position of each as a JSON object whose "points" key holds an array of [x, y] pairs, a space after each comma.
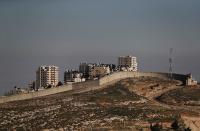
{"points": [[91, 85], [86, 84], [116, 76], [32, 95], [122, 75]]}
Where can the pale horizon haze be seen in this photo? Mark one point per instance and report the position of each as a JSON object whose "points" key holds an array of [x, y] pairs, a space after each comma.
{"points": [[67, 32]]}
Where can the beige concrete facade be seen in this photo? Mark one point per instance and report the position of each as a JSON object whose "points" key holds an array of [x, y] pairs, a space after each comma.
{"points": [[190, 80], [128, 63], [99, 71], [47, 75]]}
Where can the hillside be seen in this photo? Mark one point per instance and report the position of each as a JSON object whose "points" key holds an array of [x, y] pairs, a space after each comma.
{"points": [[184, 96], [125, 105]]}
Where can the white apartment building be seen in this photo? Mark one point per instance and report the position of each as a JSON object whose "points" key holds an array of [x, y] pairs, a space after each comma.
{"points": [[127, 63], [47, 75]]}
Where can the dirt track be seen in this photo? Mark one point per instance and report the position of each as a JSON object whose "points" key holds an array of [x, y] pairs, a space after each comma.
{"points": [[192, 121]]}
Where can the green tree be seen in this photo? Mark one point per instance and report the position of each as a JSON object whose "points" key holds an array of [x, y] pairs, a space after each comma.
{"points": [[175, 125], [15, 87], [156, 127], [49, 86], [187, 129], [59, 83]]}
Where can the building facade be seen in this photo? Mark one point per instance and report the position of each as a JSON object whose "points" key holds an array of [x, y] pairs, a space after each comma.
{"points": [[85, 69], [47, 76], [111, 66], [73, 76], [32, 85], [99, 71], [127, 63], [190, 81]]}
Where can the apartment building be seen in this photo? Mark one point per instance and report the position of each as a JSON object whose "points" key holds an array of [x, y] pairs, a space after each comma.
{"points": [[99, 71], [85, 68], [73, 76], [127, 63], [47, 75]]}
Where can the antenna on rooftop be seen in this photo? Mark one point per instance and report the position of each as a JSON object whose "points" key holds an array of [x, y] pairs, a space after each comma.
{"points": [[170, 63]]}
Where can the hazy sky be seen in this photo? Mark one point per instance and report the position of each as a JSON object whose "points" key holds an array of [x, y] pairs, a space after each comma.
{"points": [[67, 32]]}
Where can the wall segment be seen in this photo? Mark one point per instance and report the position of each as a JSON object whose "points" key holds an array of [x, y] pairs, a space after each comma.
{"points": [[91, 85]]}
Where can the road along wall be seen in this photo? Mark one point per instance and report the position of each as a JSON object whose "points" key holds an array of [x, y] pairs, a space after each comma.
{"points": [[91, 85]]}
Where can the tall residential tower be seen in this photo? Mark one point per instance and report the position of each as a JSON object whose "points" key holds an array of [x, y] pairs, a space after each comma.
{"points": [[46, 75]]}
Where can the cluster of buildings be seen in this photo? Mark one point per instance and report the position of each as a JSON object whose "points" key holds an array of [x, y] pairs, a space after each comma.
{"points": [[47, 76]]}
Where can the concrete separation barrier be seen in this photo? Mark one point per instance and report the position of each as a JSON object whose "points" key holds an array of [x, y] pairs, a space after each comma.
{"points": [[91, 85], [36, 94], [123, 75]]}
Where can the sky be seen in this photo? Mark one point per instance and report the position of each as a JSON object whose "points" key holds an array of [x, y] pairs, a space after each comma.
{"points": [[67, 32]]}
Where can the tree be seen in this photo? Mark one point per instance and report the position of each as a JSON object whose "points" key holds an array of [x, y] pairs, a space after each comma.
{"points": [[59, 83], [15, 87], [156, 127], [33, 85], [187, 129], [49, 86], [175, 125]]}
